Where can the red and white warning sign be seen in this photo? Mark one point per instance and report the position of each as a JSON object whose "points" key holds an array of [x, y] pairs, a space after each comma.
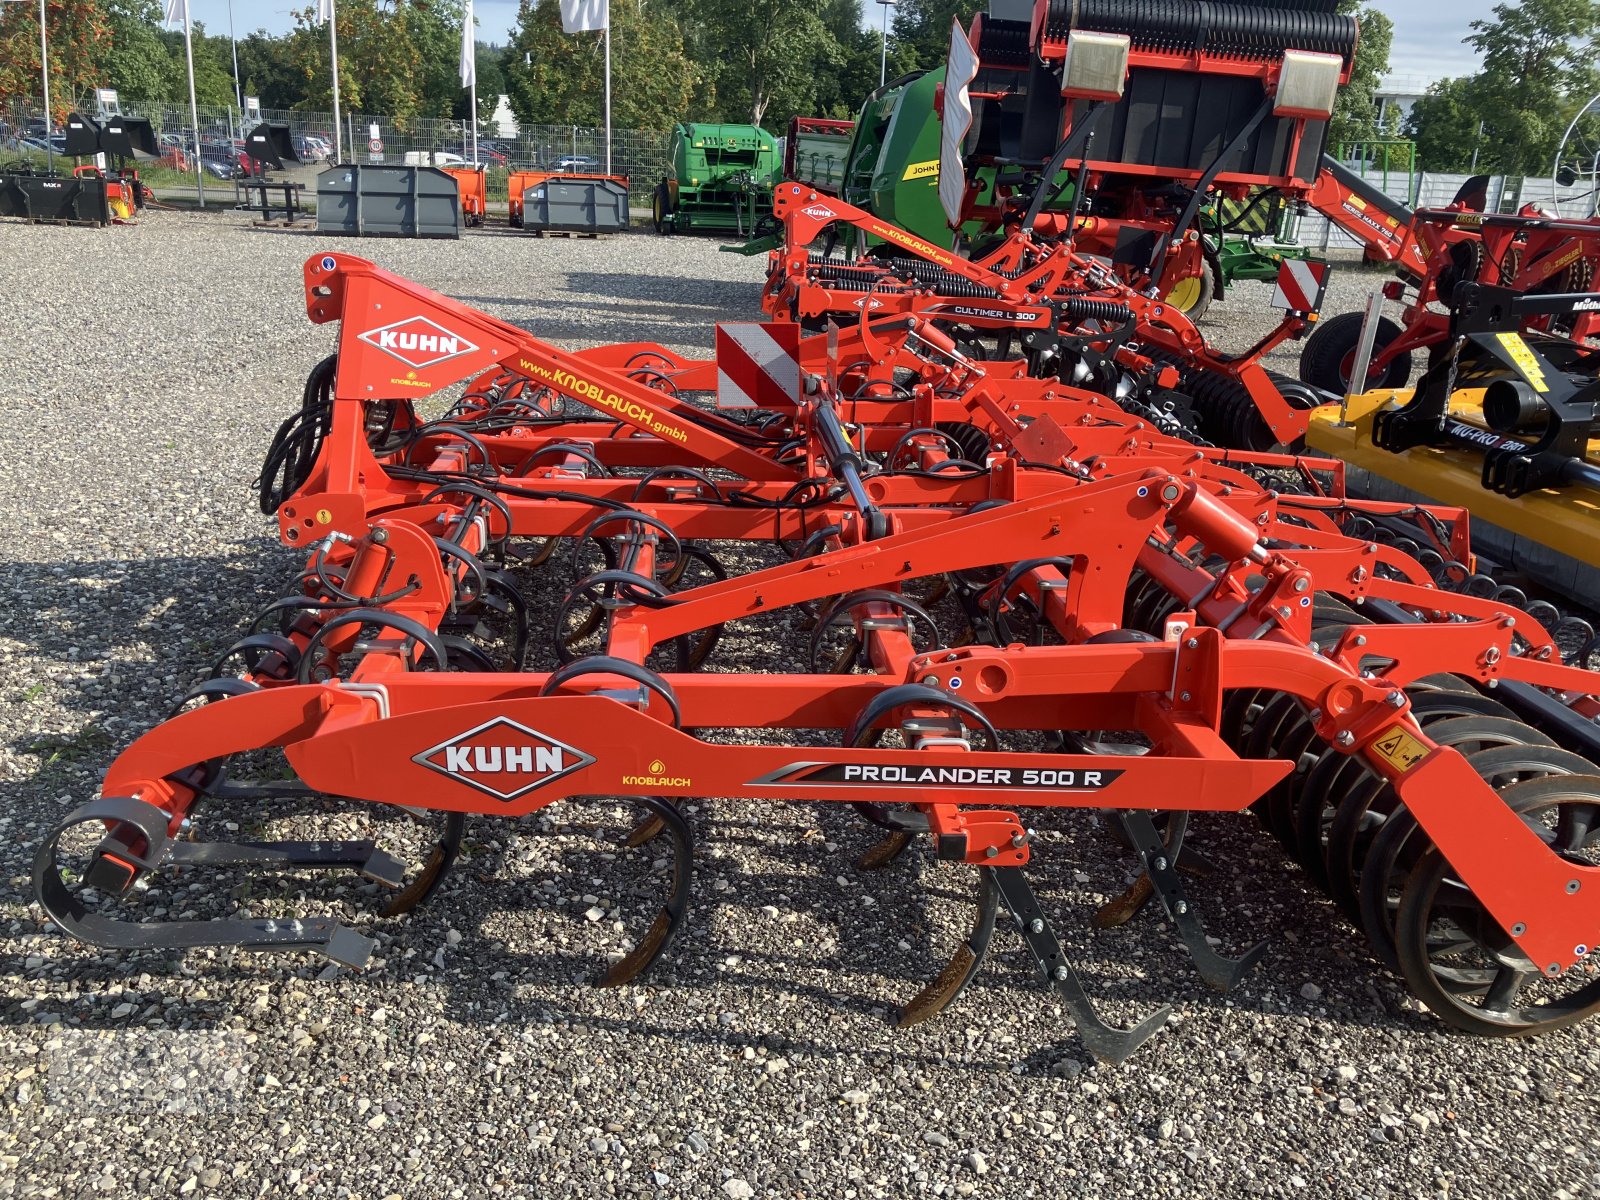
{"points": [[758, 364], [1300, 285]]}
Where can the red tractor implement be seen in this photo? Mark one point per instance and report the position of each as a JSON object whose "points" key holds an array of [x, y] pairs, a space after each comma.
{"points": [[1018, 599]]}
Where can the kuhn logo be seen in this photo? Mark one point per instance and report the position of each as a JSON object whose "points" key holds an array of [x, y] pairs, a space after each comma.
{"points": [[503, 758], [418, 342], [819, 211]]}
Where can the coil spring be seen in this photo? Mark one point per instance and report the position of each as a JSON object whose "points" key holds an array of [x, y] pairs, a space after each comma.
{"points": [[1098, 310], [1233, 30]]}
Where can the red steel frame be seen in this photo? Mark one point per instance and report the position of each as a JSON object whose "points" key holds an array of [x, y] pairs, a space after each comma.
{"points": [[1080, 507], [1025, 275], [1159, 507]]}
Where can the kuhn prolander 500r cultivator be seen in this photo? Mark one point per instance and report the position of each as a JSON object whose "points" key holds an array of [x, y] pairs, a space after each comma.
{"points": [[1015, 597]]}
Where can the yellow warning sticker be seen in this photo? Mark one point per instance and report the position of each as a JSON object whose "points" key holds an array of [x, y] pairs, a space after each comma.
{"points": [[324, 517], [1399, 749], [1524, 359], [921, 170]]}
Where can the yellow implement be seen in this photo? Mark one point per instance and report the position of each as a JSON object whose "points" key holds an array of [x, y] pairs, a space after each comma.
{"points": [[1552, 536]]}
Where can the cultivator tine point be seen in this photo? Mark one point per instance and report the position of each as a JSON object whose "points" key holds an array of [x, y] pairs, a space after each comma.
{"points": [[665, 817], [140, 835], [884, 851], [964, 964], [440, 859], [1105, 1042]]}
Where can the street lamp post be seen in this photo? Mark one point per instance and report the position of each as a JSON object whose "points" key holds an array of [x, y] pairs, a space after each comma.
{"points": [[883, 55], [44, 69]]}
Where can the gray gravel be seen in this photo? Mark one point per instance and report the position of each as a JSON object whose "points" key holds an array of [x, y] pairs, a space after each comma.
{"points": [[142, 372]]}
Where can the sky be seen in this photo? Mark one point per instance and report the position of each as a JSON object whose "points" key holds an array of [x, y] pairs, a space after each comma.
{"points": [[1427, 33]]}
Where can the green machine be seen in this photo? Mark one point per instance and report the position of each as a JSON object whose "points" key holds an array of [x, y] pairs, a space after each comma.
{"points": [[892, 169], [721, 182]]}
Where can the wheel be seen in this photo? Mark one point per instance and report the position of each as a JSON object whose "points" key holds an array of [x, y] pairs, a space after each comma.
{"points": [[1330, 355], [661, 208], [1192, 296], [1460, 963]]}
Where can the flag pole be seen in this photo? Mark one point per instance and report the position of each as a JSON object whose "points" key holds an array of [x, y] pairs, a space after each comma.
{"points": [[333, 43], [608, 90], [194, 109], [49, 121], [472, 35]]}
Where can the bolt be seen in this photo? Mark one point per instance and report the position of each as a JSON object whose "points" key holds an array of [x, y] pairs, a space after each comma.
{"points": [[1572, 886], [1284, 612], [1519, 929], [1509, 623], [1345, 738], [992, 852], [1553, 970], [1171, 492], [1160, 864], [1180, 907], [1192, 644], [1395, 699], [1036, 925], [1361, 639], [1062, 974], [1301, 584], [380, 535], [931, 680], [1315, 715], [1184, 696]]}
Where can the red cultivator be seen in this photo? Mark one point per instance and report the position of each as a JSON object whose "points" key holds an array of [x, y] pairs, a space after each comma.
{"points": [[1148, 629], [1067, 315]]}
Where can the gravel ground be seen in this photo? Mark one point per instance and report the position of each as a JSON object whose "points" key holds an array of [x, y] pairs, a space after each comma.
{"points": [[142, 374]]}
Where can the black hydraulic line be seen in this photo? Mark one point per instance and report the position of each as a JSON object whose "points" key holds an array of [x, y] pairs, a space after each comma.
{"points": [[1075, 145], [846, 465], [1157, 266]]}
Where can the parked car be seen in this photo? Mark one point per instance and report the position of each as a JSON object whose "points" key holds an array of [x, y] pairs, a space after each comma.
{"points": [[581, 164], [223, 160], [311, 150], [486, 155], [433, 158]]}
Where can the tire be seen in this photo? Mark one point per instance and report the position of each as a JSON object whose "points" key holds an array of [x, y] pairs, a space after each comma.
{"points": [[1330, 350], [661, 208], [1192, 296]]}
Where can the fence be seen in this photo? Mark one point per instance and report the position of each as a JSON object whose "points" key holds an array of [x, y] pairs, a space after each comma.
{"points": [[639, 154]]}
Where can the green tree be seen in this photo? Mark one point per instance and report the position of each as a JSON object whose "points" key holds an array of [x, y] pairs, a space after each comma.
{"points": [[1538, 66], [768, 56], [555, 78], [137, 63], [80, 34], [213, 66], [1445, 125], [920, 36], [1355, 113], [269, 67], [841, 90]]}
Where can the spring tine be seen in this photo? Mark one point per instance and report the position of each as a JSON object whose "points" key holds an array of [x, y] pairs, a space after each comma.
{"points": [[665, 927], [1219, 971], [964, 964], [440, 860], [1105, 1042]]}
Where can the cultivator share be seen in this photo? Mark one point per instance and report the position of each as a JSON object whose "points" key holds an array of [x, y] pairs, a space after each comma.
{"points": [[1016, 596]]}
